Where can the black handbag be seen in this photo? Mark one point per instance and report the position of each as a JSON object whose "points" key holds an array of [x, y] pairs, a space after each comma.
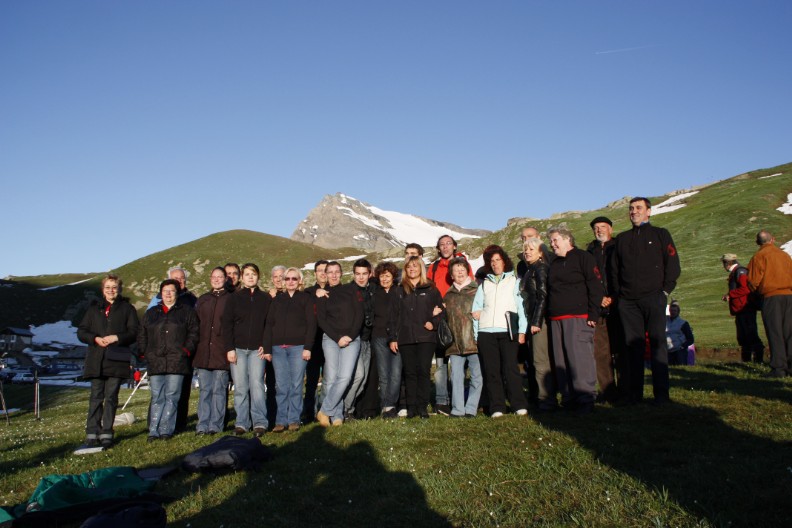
{"points": [[444, 336], [118, 353]]}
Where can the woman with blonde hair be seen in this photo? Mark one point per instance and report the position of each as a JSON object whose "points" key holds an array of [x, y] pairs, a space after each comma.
{"points": [[108, 328], [289, 335], [412, 332]]}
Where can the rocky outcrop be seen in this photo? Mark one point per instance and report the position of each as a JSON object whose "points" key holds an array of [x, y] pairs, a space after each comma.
{"points": [[342, 221]]}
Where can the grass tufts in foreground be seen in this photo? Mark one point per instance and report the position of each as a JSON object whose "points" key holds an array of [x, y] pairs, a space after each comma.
{"points": [[720, 455]]}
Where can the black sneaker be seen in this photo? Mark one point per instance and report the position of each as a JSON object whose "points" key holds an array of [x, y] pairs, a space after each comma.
{"points": [[445, 410], [92, 442], [152, 439], [107, 443], [390, 414]]}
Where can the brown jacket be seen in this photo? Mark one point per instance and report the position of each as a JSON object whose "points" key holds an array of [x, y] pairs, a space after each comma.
{"points": [[770, 271]]}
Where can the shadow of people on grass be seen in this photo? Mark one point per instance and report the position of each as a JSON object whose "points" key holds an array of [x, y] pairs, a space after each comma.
{"points": [[313, 482], [767, 389], [714, 471]]}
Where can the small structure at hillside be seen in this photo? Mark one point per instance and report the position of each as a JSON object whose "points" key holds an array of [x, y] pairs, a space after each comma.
{"points": [[14, 339]]}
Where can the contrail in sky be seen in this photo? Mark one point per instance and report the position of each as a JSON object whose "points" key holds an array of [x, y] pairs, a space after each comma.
{"points": [[620, 50]]}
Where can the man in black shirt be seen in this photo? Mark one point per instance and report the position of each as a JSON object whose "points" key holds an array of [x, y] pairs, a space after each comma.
{"points": [[644, 270]]}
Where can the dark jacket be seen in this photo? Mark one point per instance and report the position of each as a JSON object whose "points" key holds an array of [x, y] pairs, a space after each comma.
{"points": [[121, 320], [644, 262], [167, 339], [291, 321], [211, 352], [602, 255], [244, 318], [574, 287], [367, 294], [522, 264], [459, 305], [382, 307], [411, 311], [341, 312], [533, 289]]}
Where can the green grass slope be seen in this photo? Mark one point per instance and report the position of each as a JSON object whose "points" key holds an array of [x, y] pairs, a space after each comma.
{"points": [[142, 277]]}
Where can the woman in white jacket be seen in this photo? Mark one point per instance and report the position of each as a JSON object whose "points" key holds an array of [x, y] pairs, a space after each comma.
{"points": [[497, 296]]}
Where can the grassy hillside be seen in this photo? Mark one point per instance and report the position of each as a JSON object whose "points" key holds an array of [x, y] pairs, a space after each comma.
{"points": [[22, 303], [142, 277], [703, 461], [722, 218]]}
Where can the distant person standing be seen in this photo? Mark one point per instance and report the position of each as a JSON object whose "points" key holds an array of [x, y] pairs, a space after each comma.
{"points": [[289, 335], [243, 326], [412, 332], [533, 289], [459, 307], [313, 369], [574, 294], [389, 363], [339, 312], [644, 270], [608, 334], [770, 275], [188, 299], [679, 336], [210, 357], [743, 305], [167, 339], [109, 324], [497, 297], [438, 273]]}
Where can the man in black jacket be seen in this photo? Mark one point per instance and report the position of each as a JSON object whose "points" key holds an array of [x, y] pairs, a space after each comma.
{"points": [[644, 269], [607, 334]]}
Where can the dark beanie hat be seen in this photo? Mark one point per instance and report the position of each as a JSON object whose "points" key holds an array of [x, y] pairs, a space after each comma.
{"points": [[600, 219]]}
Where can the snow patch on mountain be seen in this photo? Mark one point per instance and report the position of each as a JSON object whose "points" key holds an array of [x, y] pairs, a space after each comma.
{"points": [[672, 203], [60, 332]]}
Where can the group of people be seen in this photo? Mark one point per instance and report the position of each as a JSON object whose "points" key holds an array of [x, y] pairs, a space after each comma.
{"points": [[585, 321]]}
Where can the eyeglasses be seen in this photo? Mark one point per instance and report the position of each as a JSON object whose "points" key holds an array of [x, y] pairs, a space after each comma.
{"points": [[292, 279]]}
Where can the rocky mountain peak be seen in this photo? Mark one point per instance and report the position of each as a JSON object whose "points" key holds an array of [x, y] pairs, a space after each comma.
{"points": [[342, 221]]}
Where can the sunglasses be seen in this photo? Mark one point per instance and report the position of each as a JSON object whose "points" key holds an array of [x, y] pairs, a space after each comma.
{"points": [[292, 279]]}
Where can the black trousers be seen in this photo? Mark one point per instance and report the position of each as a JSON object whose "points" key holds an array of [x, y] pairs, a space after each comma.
{"points": [[368, 403], [748, 336], [642, 317], [417, 365], [777, 318], [102, 405], [313, 371], [498, 357]]}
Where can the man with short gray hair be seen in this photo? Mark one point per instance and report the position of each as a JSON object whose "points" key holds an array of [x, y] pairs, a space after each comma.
{"points": [[743, 305], [770, 275]]}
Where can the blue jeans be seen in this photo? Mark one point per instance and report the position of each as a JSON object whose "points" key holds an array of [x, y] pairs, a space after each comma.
{"points": [[289, 373], [165, 392], [458, 405], [249, 394], [359, 379], [441, 381], [338, 369], [389, 367], [212, 400]]}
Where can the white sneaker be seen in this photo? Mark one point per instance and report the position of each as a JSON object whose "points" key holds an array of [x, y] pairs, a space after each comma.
{"points": [[521, 412], [403, 413], [496, 414]]}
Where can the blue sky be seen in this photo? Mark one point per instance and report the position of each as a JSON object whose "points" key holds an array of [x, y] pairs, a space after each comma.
{"points": [[130, 127]]}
